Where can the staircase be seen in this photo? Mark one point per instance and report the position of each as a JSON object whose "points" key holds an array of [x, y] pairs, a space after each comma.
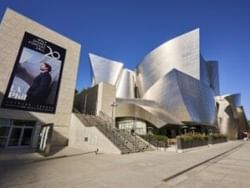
{"points": [[122, 139]]}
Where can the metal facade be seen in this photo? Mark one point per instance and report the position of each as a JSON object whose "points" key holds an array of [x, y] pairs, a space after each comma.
{"points": [[181, 53], [175, 83], [231, 116]]}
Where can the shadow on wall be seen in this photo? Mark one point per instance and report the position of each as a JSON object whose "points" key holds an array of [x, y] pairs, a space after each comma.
{"points": [[58, 141], [229, 111], [18, 163]]}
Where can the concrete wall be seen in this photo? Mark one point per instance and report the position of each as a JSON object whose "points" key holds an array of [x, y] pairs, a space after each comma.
{"points": [[106, 96], [95, 139], [12, 30], [243, 124], [98, 98], [85, 101], [231, 118]]}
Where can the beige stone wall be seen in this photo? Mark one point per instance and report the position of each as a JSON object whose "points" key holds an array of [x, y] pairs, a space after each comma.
{"points": [[98, 98], [12, 30], [95, 139], [106, 96], [243, 125], [85, 101]]}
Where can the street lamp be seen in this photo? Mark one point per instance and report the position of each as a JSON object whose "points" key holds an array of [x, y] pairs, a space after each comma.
{"points": [[150, 130], [113, 105], [185, 129], [193, 128], [210, 131]]}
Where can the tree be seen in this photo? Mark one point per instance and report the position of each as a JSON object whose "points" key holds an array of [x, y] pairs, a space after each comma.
{"points": [[76, 91]]}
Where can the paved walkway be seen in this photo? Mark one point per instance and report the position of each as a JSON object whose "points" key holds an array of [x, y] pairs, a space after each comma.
{"points": [[140, 170], [21, 156], [229, 171]]}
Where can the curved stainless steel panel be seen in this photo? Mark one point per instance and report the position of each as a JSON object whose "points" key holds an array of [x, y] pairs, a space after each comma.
{"points": [[231, 118], [175, 84], [184, 97], [228, 126], [153, 107], [105, 70], [167, 93], [213, 74], [142, 110], [198, 98], [181, 53], [204, 77], [126, 84], [243, 124], [132, 110], [233, 99]]}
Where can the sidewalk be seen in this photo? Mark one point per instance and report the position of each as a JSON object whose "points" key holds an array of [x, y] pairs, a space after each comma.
{"points": [[22, 156], [228, 171], [139, 170]]}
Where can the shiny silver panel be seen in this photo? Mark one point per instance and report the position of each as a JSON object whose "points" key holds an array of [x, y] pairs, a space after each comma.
{"points": [[154, 108], [113, 73], [181, 53], [126, 84], [105, 70], [198, 98], [213, 74], [134, 111], [184, 97], [231, 116], [243, 123], [176, 84], [167, 93], [146, 110], [204, 76], [228, 126], [233, 99]]}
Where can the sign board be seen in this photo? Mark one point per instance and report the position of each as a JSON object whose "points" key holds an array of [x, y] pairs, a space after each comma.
{"points": [[35, 80]]}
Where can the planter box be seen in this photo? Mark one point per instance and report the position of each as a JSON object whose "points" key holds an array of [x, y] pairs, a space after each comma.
{"points": [[155, 142], [216, 141], [189, 144], [158, 144]]}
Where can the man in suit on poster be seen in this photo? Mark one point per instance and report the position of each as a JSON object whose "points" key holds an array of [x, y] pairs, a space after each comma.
{"points": [[40, 87]]}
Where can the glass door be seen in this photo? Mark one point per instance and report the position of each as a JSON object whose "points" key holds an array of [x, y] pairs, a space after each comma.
{"points": [[15, 136], [16, 133], [26, 136], [20, 137], [4, 133]]}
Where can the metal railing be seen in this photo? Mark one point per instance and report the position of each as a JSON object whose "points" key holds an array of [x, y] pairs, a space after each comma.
{"points": [[123, 139]]}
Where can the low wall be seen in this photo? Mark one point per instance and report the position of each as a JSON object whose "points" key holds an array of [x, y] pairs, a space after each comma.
{"points": [[89, 138], [196, 143], [189, 144], [216, 141]]}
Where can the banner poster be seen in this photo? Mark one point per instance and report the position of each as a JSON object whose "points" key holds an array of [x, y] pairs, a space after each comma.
{"points": [[35, 80]]}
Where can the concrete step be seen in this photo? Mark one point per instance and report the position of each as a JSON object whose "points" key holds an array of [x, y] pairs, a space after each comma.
{"points": [[126, 142]]}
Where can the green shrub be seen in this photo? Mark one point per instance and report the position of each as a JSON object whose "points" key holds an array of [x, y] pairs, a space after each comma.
{"points": [[155, 137], [156, 140], [160, 138], [216, 136], [193, 137]]}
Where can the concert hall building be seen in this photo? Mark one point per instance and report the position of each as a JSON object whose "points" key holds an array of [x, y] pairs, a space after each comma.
{"points": [[173, 88]]}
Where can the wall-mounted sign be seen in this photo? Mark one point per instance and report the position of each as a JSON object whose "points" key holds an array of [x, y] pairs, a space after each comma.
{"points": [[35, 79]]}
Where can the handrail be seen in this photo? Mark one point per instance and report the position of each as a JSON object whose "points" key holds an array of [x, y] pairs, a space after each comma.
{"points": [[121, 138], [105, 117]]}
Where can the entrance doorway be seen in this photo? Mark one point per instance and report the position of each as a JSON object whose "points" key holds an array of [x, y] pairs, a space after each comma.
{"points": [[16, 133], [20, 136]]}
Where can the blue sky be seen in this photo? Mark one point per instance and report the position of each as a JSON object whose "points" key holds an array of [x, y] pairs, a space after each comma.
{"points": [[126, 30]]}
